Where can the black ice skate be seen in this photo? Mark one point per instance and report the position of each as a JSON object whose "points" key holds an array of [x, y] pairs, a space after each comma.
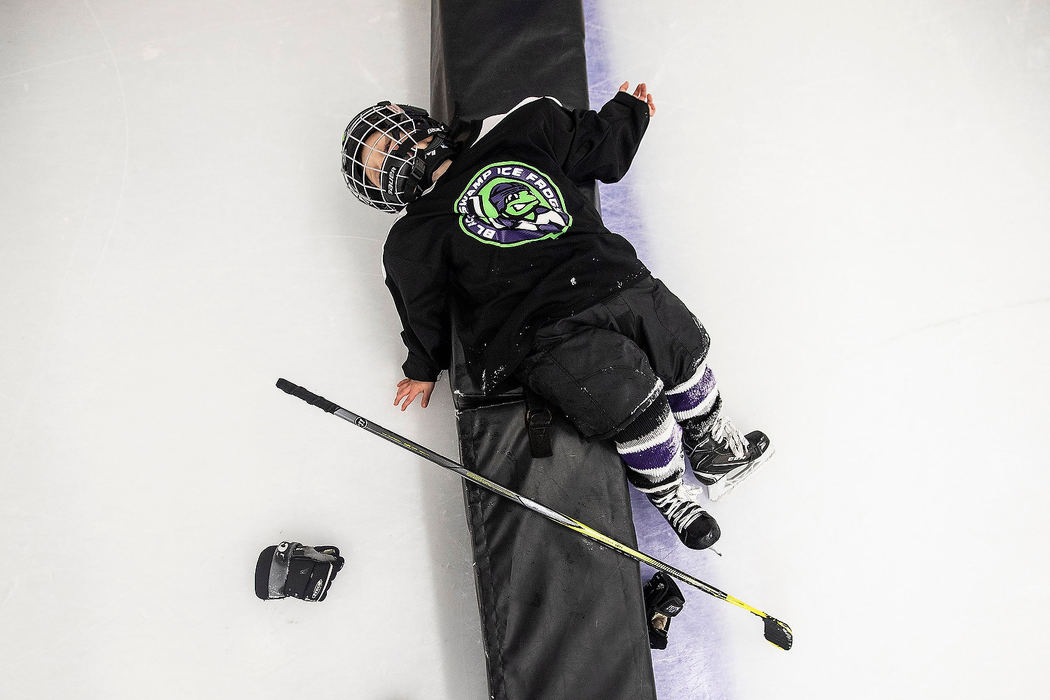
{"points": [[681, 507], [725, 457]]}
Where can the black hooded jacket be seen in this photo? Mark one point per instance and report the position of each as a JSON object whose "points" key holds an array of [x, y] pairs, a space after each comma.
{"points": [[506, 238]]}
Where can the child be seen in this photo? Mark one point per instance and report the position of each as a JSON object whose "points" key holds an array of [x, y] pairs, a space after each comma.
{"points": [[493, 224]]}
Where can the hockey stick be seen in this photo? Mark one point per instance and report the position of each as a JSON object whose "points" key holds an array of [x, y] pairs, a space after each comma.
{"points": [[776, 632]]}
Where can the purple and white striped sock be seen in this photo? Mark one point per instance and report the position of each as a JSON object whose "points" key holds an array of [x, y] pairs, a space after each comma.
{"points": [[696, 398], [651, 449]]}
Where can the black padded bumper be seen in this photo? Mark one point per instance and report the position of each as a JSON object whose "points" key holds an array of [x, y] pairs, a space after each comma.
{"points": [[561, 616]]}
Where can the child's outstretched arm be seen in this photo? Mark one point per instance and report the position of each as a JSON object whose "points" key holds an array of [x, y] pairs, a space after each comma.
{"points": [[601, 145], [409, 389], [419, 294]]}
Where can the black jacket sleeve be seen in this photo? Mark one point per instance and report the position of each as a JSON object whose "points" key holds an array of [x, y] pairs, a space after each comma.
{"points": [[420, 294], [601, 145]]}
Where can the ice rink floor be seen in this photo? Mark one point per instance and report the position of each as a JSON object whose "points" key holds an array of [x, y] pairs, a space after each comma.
{"points": [[854, 198]]}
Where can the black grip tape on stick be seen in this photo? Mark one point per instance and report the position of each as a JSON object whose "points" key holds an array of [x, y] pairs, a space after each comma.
{"points": [[307, 396]]}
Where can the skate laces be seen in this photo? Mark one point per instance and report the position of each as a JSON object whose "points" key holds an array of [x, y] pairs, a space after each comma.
{"points": [[724, 431], [680, 506]]}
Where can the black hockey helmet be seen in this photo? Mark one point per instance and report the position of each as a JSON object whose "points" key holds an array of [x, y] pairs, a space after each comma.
{"points": [[405, 170]]}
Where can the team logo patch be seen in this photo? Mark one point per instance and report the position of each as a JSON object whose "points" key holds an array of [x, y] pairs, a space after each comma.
{"points": [[510, 203]]}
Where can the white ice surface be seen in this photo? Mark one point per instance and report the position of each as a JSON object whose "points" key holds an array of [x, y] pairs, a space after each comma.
{"points": [[854, 197]]}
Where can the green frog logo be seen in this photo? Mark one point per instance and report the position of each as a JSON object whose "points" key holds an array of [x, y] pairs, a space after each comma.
{"points": [[510, 204]]}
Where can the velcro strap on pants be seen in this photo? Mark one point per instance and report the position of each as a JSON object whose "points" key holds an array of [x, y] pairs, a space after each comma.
{"points": [[538, 420]]}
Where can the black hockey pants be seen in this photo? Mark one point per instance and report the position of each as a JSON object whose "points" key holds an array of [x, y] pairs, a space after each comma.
{"points": [[604, 366]]}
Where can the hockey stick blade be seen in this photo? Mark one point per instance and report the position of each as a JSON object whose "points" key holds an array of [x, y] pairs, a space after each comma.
{"points": [[776, 632]]}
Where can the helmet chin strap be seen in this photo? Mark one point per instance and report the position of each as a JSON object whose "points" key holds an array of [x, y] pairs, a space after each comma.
{"points": [[425, 161], [430, 158]]}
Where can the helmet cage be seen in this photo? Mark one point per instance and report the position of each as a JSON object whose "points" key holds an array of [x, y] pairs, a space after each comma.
{"points": [[401, 170]]}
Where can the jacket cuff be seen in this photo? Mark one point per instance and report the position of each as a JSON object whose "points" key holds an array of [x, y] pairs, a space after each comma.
{"points": [[626, 98], [420, 371]]}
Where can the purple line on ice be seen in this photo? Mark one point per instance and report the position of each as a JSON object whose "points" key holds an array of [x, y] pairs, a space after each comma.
{"points": [[694, 665], [601, 86]]}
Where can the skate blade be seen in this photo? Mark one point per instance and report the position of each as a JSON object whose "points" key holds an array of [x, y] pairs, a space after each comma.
{"points": [[730, 481]]}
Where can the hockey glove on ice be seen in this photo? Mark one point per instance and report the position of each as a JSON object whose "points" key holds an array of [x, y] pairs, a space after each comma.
{"points": [[293, 570], [663, 600]]}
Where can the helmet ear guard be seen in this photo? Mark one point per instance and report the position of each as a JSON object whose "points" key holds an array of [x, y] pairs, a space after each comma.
{"points": [[406, 169]]}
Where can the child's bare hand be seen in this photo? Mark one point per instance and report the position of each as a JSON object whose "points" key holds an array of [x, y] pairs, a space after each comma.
{"points": [[642, 94], [409, 389]]}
